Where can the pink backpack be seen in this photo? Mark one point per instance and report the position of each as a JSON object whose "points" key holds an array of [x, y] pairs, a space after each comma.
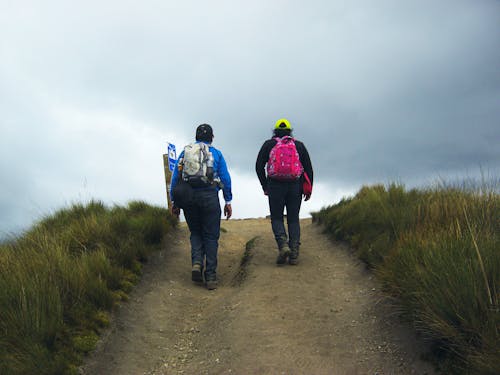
{"points": [[284, 163]]}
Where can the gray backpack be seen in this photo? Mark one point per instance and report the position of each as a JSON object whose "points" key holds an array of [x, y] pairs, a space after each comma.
{"points": [[197, 165]]}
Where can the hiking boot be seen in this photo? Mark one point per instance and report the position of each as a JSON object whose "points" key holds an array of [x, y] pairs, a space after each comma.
{"points": [[280, 260], [211, 284], [294, 257], [284, 252], [196, 273]]}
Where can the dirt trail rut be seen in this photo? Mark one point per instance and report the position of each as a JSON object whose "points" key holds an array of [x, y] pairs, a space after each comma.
{"points": [[324, 316]]}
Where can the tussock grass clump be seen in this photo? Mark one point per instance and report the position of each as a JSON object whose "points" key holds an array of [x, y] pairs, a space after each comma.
{"points": [[438, 251], [59, 280]]}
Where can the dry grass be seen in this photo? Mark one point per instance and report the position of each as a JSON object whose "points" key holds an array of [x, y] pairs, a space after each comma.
{"points": [[60, 279], [437, 251]]}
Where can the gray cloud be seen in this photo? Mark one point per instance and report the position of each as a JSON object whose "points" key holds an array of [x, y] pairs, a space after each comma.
{"points": [[377, 90]]}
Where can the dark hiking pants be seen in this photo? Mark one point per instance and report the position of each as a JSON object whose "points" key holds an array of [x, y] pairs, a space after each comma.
{"points": [[285, 194], [203, 219]]}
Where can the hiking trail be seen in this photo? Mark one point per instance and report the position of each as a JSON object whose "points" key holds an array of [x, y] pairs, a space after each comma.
{"points": [[323, 316]]}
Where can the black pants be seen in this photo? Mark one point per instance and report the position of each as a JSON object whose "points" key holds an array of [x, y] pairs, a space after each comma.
{"points": [[203, 219], [285, 194]]}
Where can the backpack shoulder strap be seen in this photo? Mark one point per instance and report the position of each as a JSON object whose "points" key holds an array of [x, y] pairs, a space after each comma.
{"points": [[286, 139]]}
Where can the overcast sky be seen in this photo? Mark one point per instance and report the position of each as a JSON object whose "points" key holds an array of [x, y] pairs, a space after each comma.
{"points": [[379, 91]]}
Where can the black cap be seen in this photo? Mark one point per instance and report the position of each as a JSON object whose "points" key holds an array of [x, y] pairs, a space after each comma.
{"points": [[204, 132]]}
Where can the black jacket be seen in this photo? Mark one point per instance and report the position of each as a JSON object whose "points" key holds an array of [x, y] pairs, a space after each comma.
{"points": [[263, 157]]}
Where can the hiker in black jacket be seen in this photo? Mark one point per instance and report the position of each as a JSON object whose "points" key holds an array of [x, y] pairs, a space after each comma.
{"points": [[284, 188]]}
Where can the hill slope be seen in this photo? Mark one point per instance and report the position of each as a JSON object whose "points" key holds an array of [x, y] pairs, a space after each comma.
{"points": [[324, 316]]}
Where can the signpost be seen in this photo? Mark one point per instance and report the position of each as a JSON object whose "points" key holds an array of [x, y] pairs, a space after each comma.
{"points": [[169, 160]]}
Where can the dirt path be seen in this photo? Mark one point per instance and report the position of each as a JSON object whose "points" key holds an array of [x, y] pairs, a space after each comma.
{"points": [[324, 316]]}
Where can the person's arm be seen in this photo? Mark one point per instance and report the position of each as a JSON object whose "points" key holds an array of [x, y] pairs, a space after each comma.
{"points": [[225, 178], [306, 163], [305, 160], [227, 189], [260, 163]]}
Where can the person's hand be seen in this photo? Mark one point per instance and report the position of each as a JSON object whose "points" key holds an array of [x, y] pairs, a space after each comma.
{"points": [[307, 197], [176, 211], [228, 211]]}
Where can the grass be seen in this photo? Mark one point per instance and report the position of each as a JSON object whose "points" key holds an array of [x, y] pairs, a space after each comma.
{"points": [[437, 250], [245, 260], [60, 280]]}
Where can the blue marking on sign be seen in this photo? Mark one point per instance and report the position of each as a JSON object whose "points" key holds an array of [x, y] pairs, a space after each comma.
{"points": [[172, 157]]}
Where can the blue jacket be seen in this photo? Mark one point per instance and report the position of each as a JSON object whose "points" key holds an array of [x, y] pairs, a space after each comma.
{"points": [[220, 170]]}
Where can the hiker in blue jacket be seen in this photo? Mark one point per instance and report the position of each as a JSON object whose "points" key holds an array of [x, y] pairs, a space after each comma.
{"points": [[285, 190], [203, 212]]}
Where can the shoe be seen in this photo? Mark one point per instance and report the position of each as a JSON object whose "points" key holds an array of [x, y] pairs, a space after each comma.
{"points": [[284, 252], [294, 257], [280, 260], [211, 284], [196, 273]]}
